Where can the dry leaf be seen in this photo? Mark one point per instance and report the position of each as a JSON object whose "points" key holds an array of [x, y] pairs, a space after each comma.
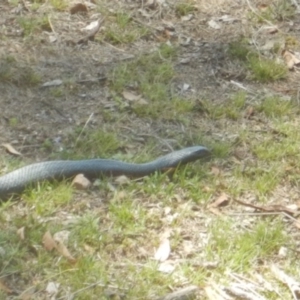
{"points": [[150, 4], [89, 249], [63, 250], [53, 38], [52, 289], [185, 60], [185, 87], [62, 236], [283, 251], [122, 180], [80, 182], [163, 251], [249, 112], [55, 82], [11, 150], [215, 171], [21, 233], [206, 189], [131, 96], [227, 18], [91, 26], [142, 101], [187, 17], [4, 288], [167, 210], [272, 30], [120, 195], [263, 6], [297, 224], [28, 294], [215, 211], [292, 206], [48, 241], [78, 8], [168, 25], [290, 59], [91, 35], [213, 24], [188, 247], [221, 201], [142, 253], [166, 267]]}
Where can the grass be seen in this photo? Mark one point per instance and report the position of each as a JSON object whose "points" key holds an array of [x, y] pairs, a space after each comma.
{"points": [[232, 110], [117, 231], [245, 248], [32, 25], [59, 5], [90, 235], [277, 11], [47, 199], [18, 73], [263, 69], [184, 8], [275, 107], [110, 236], [115, 228], [123, 30], [98, 143], [152, 74]]}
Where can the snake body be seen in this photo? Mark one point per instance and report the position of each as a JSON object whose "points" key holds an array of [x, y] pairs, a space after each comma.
{"points": [[18, 180]]}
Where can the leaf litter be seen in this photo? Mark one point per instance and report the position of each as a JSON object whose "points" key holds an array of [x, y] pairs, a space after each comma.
{"points": [[57, 243]]}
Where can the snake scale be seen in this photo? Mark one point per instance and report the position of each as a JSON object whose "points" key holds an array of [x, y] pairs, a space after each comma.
{"points": [[17, 181]]}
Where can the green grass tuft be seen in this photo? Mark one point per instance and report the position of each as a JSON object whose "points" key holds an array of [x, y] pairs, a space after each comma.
{"points": [[241, 251], [265, 70], [184, 8], [231, 108], [32, 25], [262, 69], [91, 143], [123, 30], [12, 71], [48, 198], [276, 107]]}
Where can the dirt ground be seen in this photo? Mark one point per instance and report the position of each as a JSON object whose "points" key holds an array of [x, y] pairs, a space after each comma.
{"points": [[203, 64]]}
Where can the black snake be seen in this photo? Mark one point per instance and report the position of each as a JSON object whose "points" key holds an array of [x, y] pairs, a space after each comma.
{"points": [[17, 181]]}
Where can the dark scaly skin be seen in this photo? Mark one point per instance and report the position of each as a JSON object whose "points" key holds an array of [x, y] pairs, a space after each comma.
{"points": [[16, 181]]}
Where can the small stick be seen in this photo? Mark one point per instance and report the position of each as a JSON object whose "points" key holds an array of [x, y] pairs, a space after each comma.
{"points": [[86, 123]]}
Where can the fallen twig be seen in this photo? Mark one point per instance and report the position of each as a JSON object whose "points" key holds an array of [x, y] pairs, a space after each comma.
{"points": [[270, 208]]}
